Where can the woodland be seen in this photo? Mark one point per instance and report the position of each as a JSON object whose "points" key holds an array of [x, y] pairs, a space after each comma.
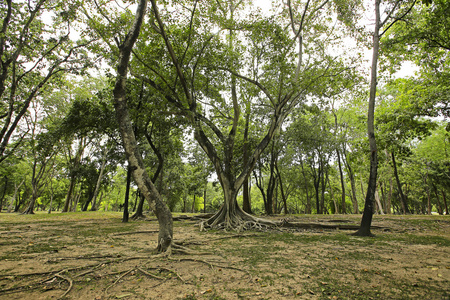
{"points": [[224, 149], [226, 108]]}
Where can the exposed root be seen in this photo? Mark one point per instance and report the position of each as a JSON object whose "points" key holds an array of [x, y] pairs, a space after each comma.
{"points": [[149, 274], [212, 265], [118, 279], [66, 279], [133, 232], [237, 221], [177, 248]]}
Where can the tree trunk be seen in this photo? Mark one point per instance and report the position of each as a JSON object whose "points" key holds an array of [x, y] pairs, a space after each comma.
{"points": [[336, 206], [230, 215], [377, 199], [126, 214], [5, 187], [76, 200], [352, 183], [246, 204], [445, 202], [322, 194], [366, 221], [427, 188], [283, 196], [204, 199], [341, 176], [99, 181], [34, 196], [308, 200], [193, 205], [383, 196], [403, 201], [73, 177], [132, 151], [139, 213], [439, 205]]}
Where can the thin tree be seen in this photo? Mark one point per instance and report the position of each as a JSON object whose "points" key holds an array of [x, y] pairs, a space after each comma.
{"points": [[366, 220]]}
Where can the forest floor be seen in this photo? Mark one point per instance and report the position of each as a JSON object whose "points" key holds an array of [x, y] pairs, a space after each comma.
{"points": [[93, 255]]}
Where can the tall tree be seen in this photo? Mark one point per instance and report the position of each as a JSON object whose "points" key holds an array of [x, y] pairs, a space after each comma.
{"points": [[210, 79], [132, 151], [394, 13]]}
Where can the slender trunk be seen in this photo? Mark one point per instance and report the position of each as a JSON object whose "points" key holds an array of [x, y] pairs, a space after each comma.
{"points": [[377, 199], [204, 199], [283, 195], [341, 175], [366, 220], [73, 177], [99, 181], [246, 204], [5, 187], [352, 183], [336, 207], [193, 205], [260, 184], [308, 200], [322, 196], [399, 186], [439, 205], [127, 196], [383, 196], [13, 199], [135, 201], [76, 200], [139, 212], [427, 188], [445, 202]]}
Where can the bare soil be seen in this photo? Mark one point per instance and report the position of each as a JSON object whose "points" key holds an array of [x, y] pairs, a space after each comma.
{"points": [[96, 256]]}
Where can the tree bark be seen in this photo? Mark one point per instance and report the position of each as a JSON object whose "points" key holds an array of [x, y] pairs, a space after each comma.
{"points": [[132, 151]]}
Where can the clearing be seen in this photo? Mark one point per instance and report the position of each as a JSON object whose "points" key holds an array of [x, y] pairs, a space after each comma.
{"points": [[93, 255]]}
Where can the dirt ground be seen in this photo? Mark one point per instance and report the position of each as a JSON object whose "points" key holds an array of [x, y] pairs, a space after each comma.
{"points": [[96, 256]]}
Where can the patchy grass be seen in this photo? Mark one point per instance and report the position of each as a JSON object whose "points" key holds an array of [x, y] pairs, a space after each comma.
{"points": [[104, 258]]}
